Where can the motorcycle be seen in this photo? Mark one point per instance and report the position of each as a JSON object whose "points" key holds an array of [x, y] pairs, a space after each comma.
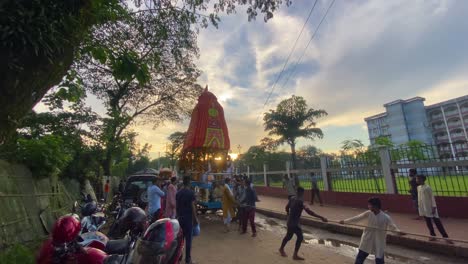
{"points": [[162, 242]]}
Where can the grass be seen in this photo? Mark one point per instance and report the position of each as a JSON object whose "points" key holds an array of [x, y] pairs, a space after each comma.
{"points": [[17, 254], [441, 185]]}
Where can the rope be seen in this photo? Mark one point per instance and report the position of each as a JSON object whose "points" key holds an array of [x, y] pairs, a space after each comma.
{"points": [[375, 228], [402, 232]]}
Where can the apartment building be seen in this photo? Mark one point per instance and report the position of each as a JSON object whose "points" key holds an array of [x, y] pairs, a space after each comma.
{"points": [[444, 124]]}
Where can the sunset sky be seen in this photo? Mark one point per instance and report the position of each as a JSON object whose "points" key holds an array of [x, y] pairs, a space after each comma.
{"points": [[366, 53]]}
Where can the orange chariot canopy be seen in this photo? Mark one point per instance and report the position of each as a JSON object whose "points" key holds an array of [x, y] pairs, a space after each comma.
{"points": [[208, 129]]}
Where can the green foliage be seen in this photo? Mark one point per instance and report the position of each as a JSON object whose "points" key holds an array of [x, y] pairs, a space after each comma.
{"points": [[352, 146], [176, 142], [45, 27], [416, 151], [256, 156], [384, 141], [293, 119], [44, 156], [17, 254], [120, 169]]}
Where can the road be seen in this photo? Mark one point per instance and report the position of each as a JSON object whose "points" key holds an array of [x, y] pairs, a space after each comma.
{"points": [[214, 246]]}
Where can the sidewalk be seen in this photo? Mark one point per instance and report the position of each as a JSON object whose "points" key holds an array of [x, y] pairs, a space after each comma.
{"points": [[456, 228]]}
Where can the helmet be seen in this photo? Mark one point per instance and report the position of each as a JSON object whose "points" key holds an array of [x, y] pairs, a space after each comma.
{"points": [[65, 230], [133, 219], [161, 243], [89, 209]]}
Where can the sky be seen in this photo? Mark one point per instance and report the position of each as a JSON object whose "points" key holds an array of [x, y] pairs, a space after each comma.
{"points": [[365, 54]]}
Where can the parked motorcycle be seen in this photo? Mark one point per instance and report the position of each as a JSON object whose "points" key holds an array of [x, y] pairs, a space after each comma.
{"points": [[161, 243], [63, 247]]}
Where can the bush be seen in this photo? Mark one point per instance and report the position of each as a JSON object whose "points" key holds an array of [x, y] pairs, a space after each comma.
{"points": [[17, 254], [45, 156]]}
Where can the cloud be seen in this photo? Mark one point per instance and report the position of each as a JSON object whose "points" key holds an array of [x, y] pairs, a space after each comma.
{"points": [[366, 53]]}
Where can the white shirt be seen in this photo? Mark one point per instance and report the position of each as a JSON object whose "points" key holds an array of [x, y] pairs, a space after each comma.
{"points": [[374, 236], [426, 201]]}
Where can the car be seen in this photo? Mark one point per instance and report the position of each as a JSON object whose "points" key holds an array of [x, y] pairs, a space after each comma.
{"points": [[136, 186]]}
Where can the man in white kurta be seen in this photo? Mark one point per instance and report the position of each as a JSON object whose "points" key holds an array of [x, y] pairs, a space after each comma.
{"points": [[373, 239], [428, 208]]}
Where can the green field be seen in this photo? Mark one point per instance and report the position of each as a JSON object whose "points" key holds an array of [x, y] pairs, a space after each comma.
{"points": [[441, 185]]}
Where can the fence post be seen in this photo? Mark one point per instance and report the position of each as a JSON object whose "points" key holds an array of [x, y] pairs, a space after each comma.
{"points": [[386, 170], [323, 166], [265, 178]]}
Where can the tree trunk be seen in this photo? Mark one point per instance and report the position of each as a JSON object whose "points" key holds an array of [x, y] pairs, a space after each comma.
{"points": [[293, 155], [22, 87]]}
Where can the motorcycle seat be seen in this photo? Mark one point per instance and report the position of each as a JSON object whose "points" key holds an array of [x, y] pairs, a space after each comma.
{"points": [[118, 246]]}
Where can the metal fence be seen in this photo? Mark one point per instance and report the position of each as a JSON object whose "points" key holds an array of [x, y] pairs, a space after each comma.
{"points": [[445, 166], [380, 170]]}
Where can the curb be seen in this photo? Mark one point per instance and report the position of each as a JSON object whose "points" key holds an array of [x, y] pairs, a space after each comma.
{"points": [[431, 247]]}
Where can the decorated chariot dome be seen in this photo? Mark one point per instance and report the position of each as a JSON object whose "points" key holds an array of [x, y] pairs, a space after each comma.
{"points": [[208, 129], [206, 142]]}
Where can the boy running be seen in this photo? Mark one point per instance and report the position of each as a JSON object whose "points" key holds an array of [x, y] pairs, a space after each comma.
{"points": [[294, 211]]}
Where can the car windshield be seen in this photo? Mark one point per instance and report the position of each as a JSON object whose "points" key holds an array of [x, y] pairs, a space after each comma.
{"points": [[134, 187]]}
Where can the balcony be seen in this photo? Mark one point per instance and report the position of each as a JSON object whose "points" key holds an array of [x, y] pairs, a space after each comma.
{"points": [[460, 147], [444, 149], [452, 113], [436, 116], [438, 128], [442, 138]]}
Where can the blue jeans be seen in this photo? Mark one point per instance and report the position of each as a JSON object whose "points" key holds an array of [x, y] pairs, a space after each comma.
{"points": [[361, 257], [187, 229]]}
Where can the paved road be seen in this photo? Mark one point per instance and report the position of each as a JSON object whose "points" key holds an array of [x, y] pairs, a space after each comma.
{"points": [[214, 246], [456, 228]]}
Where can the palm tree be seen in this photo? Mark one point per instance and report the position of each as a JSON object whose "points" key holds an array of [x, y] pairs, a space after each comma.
{"points": [[293, 119]]}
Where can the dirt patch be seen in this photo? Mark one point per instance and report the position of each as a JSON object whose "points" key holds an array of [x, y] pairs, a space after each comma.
{"points": [[214, 246]]}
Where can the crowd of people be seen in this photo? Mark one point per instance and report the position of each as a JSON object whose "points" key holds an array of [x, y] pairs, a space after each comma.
{"points": [[373, 239], [178, 201]]}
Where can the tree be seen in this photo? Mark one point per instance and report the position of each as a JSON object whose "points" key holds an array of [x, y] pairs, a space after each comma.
{"points": [[176, 140], [41, 39], [293, 119], [415, 150], [384, 141], [140, 75], [352, 146], [309, 156]]}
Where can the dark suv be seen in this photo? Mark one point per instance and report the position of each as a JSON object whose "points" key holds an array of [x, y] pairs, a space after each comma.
{"points": [[136, 189]]}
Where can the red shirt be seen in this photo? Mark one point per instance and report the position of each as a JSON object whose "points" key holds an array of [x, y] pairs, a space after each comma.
{"points": [[106, 188]]}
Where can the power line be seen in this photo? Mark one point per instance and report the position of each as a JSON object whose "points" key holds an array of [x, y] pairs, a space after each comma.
{"points": [[299, 60], [289, 56]]}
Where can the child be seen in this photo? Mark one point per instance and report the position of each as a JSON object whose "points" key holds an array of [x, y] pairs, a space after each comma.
{"points": [[294, 211], [373, 237], [428, 208]]}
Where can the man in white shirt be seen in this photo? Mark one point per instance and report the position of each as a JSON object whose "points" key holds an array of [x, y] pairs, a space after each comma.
{"points": [[374, 236], [154, 200], [428, 208]]}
